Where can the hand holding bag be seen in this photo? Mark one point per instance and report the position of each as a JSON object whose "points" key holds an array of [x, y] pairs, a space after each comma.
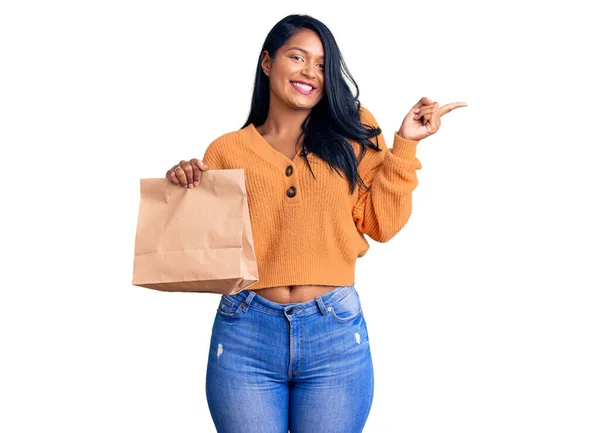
{"points": [[195, 239]]}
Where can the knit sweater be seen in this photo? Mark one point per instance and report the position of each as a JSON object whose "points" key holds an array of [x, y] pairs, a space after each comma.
{"points": [[311, 230]]}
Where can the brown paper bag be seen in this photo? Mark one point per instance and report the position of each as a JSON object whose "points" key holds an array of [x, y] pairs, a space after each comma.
{"points": [[195, 239]]}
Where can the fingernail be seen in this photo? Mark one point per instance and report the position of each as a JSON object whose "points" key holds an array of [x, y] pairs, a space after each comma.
{"points": [[417, 110], [196, 183]]}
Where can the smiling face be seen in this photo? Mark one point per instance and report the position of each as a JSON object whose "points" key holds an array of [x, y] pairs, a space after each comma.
{"points": [[300, 59]]}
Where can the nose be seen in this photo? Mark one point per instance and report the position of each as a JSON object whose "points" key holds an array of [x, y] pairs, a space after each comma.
{"points": [[308, 70]]}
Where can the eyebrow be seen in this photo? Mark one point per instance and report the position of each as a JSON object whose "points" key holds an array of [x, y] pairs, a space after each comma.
{"points": [[304, 51]]}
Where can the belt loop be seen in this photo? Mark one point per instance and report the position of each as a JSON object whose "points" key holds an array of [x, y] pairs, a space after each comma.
{"points": [[248, 300], [322, 306]]}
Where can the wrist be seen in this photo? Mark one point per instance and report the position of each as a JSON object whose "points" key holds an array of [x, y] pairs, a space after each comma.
{"points": [[399, 134]]}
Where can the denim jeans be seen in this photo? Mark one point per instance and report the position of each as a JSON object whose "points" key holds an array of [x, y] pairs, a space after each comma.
{"points": [[303, 367]]}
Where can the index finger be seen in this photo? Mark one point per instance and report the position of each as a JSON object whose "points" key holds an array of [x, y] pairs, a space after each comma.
{"points": [[196, 166], [449, 107]]}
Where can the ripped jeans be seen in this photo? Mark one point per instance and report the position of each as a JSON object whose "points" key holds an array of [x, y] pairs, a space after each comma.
{"points": [[300, 367]]}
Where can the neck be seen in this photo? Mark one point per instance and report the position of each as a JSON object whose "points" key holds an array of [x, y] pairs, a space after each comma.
{"points": [[282, 120]]}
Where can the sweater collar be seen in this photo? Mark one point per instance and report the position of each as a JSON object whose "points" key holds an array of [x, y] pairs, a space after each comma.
{"points": [[260, 146]]}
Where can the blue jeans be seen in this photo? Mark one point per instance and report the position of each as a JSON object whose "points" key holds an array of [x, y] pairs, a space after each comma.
{"points": [[303, 367]]}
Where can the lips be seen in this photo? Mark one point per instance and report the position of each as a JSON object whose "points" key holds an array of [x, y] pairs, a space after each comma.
{"points": [[304, 82], [300, 90]]}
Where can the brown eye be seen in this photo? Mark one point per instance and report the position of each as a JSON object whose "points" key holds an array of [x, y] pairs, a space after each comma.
{"points": [[298, 57]]}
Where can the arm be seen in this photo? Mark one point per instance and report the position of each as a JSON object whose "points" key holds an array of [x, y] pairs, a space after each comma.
{"points": [[386, 207], [212, 156]]}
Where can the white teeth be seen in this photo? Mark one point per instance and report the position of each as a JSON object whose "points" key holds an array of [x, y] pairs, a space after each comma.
{"points": [[302, 86]]}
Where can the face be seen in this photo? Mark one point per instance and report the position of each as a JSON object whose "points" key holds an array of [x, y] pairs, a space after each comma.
{"points": [[300, 59]]}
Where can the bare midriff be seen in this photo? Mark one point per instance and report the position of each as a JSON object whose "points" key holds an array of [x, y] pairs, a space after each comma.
{"points": [[292, 294]]}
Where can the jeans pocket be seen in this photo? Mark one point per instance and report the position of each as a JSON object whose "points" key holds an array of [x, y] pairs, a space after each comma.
{"points": [[347, 309], [229, 306]]}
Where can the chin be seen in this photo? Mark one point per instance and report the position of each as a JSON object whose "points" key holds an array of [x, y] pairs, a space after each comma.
{"points": [[306, 104]]}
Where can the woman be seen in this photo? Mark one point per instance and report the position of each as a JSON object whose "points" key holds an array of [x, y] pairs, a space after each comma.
{"points": [[291, 351]]}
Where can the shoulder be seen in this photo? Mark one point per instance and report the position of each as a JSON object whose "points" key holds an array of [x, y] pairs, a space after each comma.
{"points": [[221, 149], [367, 117], [225, 139], [225, 144]]}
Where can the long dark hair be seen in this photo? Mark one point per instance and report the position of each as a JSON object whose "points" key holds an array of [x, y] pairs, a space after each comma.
{"points": [[336, 118]]}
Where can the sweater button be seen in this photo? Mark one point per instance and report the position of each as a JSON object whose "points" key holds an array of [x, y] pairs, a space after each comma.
{"points": [[291, 192], [289, 170]]}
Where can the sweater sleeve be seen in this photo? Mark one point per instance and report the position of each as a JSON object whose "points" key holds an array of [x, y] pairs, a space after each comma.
{"points": [[391, 175], [212, 155]]}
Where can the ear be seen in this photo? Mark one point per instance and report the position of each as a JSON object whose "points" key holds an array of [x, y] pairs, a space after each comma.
{"points": [[266, 62]]}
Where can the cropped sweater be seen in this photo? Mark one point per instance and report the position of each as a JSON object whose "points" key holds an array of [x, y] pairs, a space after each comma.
{"points": [[311, 230]]}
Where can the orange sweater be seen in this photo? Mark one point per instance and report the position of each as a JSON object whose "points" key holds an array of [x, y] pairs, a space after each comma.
{"points": [[311, 231]]}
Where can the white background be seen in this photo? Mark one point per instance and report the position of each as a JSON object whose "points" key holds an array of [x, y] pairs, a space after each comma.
{"points": [[483, 312]]}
